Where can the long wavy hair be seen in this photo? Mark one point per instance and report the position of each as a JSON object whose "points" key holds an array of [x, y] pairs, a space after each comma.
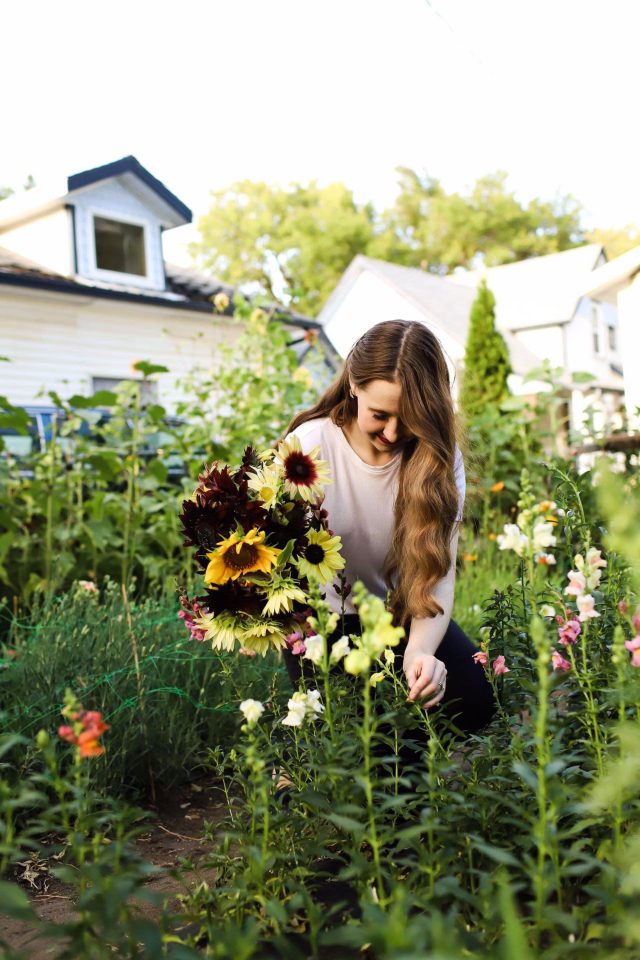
{"points": [[426, 507]]}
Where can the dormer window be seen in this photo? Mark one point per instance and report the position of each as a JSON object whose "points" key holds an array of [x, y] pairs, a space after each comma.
{"points": [[119, 246]]}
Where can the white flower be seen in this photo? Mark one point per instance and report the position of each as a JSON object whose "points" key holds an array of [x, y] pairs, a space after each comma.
{"points": [[340, 649], [543, 536], [389, 656], [591, 567], [512, 539], [547, 559], [314, 648], [546, 610], [297, 710], [302, 705], [314, 703], [252, 710], [586, 606]]}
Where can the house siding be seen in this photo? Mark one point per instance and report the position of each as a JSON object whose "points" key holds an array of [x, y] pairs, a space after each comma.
{"points": [[60, 343], [47, 241], [112, 200]]}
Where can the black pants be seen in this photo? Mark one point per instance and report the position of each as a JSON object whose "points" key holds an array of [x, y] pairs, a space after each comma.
{"points": [[468, 701]]}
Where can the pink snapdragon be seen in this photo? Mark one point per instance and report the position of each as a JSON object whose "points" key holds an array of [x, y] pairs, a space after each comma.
{"points": [[635, 620], [577, 583], [481, 657], [586, 608], [189, 617], [499, 666], [296, 644], [558, 661], [569, 632]]}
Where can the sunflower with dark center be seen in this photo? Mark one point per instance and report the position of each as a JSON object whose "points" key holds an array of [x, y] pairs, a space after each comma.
{"points": [[321, 559], [304, 474], [239, 554]]}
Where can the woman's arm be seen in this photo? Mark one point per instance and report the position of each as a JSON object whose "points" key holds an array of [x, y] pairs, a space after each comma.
{"points": [[423, 670]]}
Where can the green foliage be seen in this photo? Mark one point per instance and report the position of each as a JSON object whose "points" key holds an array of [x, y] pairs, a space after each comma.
{"points": [[99, 502], [295, 242], [169, 699], [486, 358], [439, 231], [256, 387], [615, 241]]}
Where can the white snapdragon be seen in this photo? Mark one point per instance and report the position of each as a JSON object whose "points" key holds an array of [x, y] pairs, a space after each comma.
{"points": [[339, 649], [252, 710], [586, 608], [512, 539], [546, 610], [314, 648], [543, 536], [302, 704], [591, 567]]}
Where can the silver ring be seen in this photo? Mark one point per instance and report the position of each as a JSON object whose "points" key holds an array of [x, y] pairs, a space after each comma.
{"points": [[441, 685]]}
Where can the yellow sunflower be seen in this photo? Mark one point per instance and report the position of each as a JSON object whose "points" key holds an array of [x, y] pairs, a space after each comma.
{"points": [[320, 560], [304, 474], [238, 555]]}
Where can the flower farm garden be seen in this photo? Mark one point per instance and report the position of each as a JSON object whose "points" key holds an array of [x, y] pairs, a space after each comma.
{"points": [[147, 724]]}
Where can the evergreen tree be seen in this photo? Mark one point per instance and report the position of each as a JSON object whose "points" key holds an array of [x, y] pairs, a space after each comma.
{"points": [[486, 358]]}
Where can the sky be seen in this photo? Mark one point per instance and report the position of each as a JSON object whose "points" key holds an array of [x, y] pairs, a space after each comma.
{"points": [[206, 92]]}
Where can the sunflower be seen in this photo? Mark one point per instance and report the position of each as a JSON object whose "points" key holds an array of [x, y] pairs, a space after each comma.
{"points": [[321, 559], [240, 554], [304, 475], [265, 481]]}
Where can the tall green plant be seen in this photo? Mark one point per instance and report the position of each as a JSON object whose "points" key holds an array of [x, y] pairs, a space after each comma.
{"points": [[486, 358]]}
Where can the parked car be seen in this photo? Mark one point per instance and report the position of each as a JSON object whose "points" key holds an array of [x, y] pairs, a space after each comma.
{"points": [[23, 446]]}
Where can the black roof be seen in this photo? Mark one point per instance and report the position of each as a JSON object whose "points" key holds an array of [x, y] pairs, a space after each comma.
{"points": [[129, 165]]}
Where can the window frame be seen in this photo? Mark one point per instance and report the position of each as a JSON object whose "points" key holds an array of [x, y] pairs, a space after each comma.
{"points": [[117, 276]]}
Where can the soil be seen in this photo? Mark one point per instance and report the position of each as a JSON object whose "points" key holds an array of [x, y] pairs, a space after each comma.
{"points": [[174, 835]]}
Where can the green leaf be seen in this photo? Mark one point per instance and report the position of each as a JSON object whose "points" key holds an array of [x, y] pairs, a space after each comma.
{"points": [[285, 554], [147, 368], [498, 854], [15, 903]]}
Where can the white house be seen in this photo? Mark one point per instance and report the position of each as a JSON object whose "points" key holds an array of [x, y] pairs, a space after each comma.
{"points": [[85, 291], [617, 285], [541, 310]]}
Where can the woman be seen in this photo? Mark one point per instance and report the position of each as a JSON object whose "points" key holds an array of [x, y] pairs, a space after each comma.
{"points": [[387, 429]]}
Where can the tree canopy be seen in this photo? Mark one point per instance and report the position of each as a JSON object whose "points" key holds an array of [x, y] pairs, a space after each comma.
{"points": [[295, 242]]}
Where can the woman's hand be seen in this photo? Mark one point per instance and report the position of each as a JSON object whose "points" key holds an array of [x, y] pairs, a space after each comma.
{"points": [[426, 678]]}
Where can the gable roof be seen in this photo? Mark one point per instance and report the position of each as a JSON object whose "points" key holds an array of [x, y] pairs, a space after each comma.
{"points": [[539, 291], [129, 165], [445, 305], [40, 201], [605, 282]]}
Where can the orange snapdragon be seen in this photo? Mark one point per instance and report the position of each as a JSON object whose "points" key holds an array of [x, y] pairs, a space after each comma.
{"points": [[86, 729]]}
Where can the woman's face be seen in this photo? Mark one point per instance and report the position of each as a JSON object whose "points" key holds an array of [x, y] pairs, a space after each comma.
{"points": [[378, 419]]}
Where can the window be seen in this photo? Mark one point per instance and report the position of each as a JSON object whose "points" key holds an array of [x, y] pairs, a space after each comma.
{"points": [[148, 388], [613, 338], [595, 328], [119, 246]]}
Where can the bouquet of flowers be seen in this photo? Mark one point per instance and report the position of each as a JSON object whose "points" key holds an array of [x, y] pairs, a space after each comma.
{"points": [[260, 536]]}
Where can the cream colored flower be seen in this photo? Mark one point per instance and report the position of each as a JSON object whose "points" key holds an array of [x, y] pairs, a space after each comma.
{"points": [[252, 710]]}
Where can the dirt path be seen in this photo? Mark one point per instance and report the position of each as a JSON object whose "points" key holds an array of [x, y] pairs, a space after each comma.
{"points": [[175, 834]]}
